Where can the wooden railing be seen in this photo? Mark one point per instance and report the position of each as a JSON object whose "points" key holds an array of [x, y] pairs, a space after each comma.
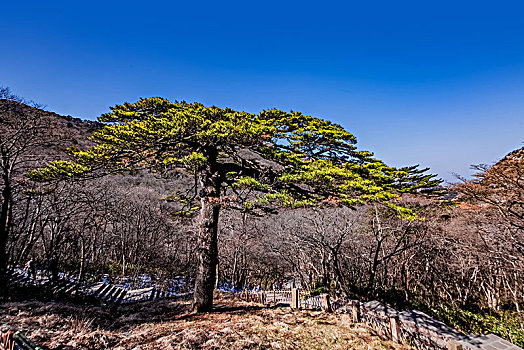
{"points": [[295, 298], [408, 327]]}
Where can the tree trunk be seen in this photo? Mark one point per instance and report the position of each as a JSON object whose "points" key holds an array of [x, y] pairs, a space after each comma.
{"points": [[207, 246], [207, 255], [234, 272], [81, 271], [4, 233]]}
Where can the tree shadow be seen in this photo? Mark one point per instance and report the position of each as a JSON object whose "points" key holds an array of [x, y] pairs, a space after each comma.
{"points": [[120, 318]]}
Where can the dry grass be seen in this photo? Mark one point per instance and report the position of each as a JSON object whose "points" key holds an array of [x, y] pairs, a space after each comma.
{"points": [[171, 325]]}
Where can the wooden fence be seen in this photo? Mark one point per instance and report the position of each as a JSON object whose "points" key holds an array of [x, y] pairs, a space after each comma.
{"points": [[409, 327]]}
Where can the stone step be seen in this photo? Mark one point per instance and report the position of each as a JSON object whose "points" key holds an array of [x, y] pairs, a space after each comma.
{"points": [[107, 295], [93, 289], [59, 285], [46, 282], [103, 291], [17, 278], [65, 287], [136, 295], [112, 294], [72, 288], [120, 297], [487, 342]]}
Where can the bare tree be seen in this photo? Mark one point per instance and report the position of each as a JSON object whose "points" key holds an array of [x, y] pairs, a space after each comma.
{"points": [[21, 135]]}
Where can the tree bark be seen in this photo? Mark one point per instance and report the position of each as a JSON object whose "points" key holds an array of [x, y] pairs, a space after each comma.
{"points": [[81, 271], [207, 246], [207, 255], [4, 233]]}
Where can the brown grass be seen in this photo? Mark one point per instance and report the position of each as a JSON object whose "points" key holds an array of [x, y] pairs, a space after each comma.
{"points": [[171, 325]]}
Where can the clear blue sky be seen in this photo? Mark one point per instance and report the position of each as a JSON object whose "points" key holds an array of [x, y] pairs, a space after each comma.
{"points": [[439, 83]]}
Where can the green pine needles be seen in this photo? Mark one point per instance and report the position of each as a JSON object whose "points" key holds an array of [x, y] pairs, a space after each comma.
{"points": [[283, 158]]}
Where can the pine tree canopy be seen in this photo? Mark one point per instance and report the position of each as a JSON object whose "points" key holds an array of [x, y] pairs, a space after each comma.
{"points": [[283, 158]]}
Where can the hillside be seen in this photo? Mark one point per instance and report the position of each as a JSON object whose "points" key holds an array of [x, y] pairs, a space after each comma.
{"points": [[171, 325], [462, 267], [47, 226], [509, 165], [66, 131], [513, 155]]}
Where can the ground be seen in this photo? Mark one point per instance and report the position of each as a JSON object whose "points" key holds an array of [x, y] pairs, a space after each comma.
{"points": [[172, 325]]}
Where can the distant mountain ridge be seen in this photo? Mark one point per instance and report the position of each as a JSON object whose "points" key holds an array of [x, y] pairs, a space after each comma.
{"points": [[509, 163], [517, 154], [67, 130]]}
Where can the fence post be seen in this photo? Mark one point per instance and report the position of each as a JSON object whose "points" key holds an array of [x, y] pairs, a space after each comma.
{"points": [[395, 329], [326, 305], [355, 310], [295, 301], [454, 345]]}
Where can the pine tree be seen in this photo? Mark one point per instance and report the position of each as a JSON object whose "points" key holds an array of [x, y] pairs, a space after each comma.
{"points": [[238, 159]]}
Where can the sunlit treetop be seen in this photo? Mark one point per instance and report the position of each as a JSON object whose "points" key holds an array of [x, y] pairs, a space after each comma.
{"points": [[251, 160]]}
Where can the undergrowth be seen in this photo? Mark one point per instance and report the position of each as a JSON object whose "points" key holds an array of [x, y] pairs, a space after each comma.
{"points": [[506, 324]]}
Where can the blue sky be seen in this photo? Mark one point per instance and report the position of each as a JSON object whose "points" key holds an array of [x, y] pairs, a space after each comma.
{"points": [[433, 83]]}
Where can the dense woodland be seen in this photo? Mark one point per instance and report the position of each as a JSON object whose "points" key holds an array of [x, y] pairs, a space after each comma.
{"points": [[461, 259]]}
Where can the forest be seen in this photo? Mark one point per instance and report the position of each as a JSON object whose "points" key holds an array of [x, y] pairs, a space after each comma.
{"points": [[233, 200]]}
